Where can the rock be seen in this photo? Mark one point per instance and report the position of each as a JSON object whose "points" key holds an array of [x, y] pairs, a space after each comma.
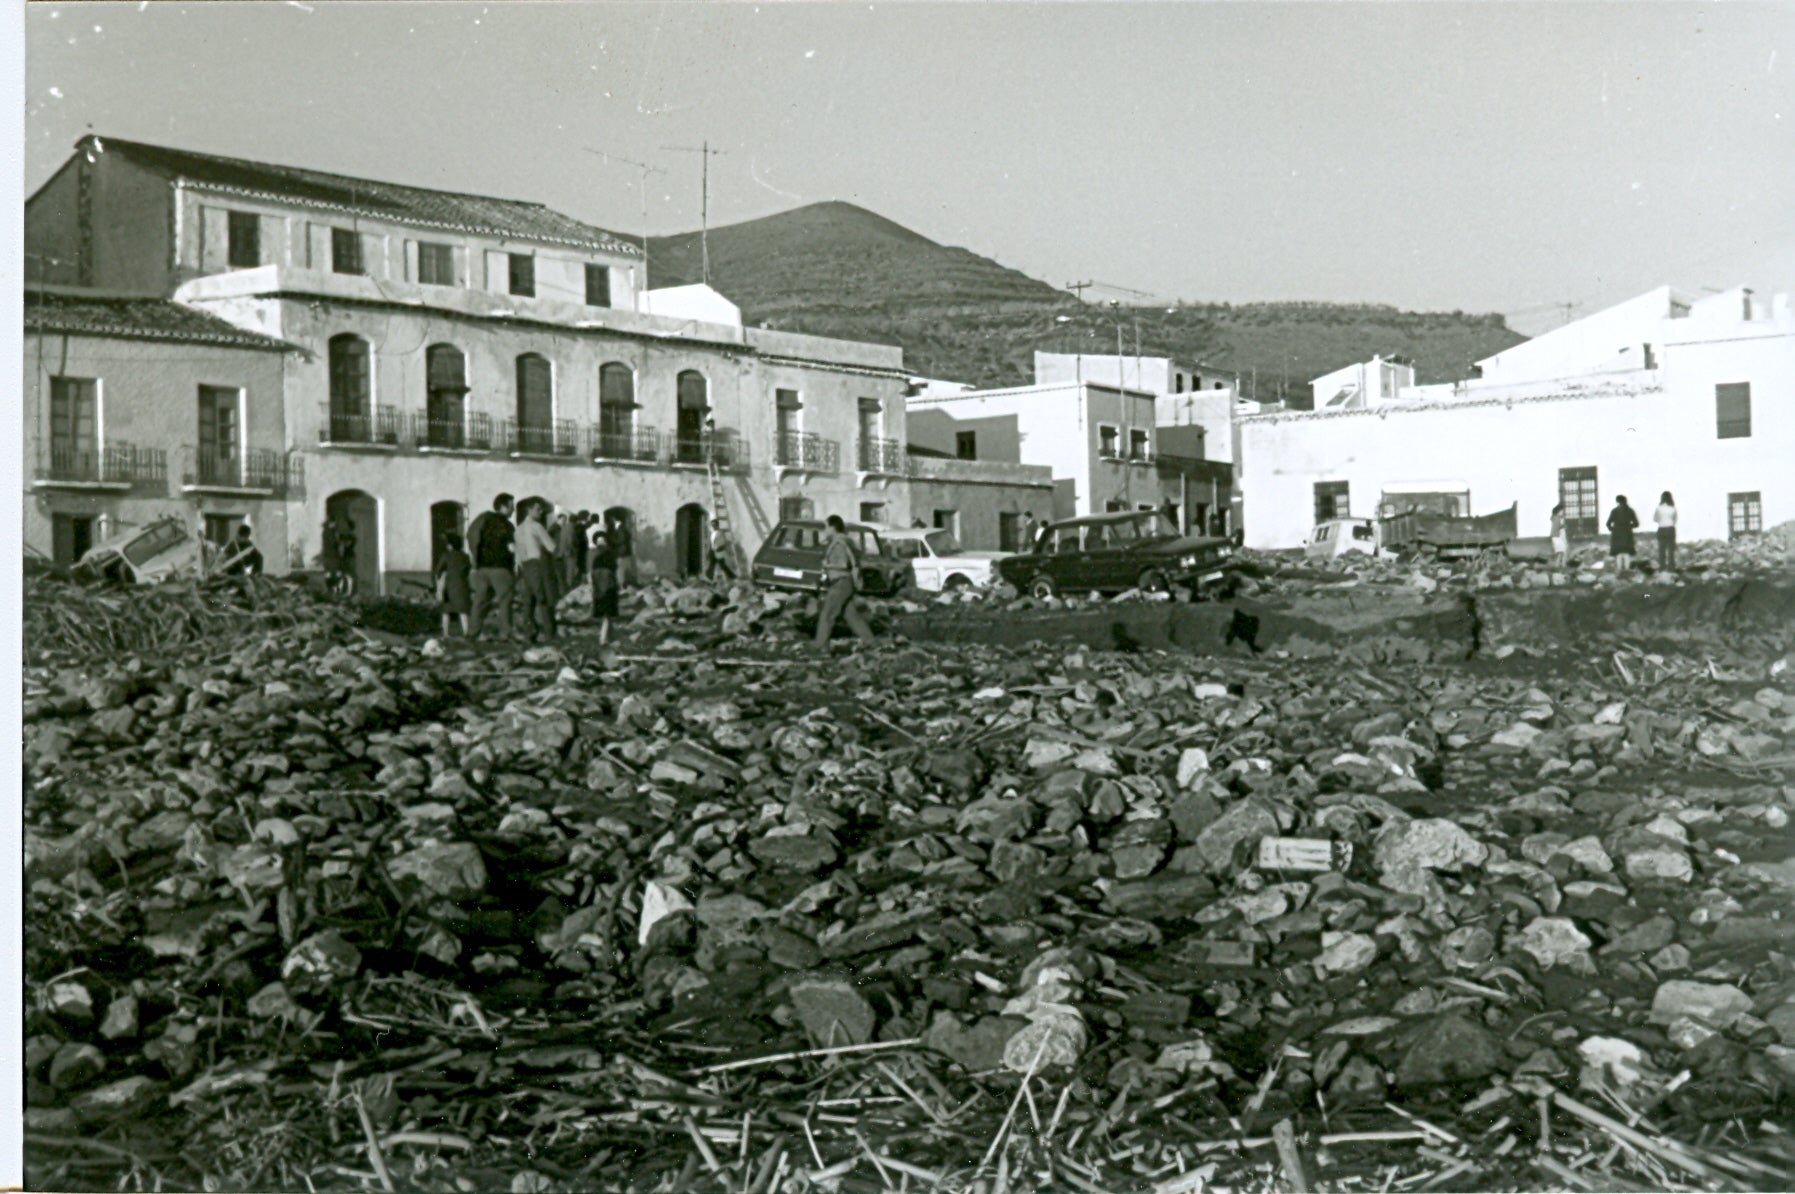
{"points": [[452, 870], [1043, 753], [1193, 764], [1554, 941], [1435, 844], [127, 1099], [833, 1012], [1717, 1004], [70, 1001], [1046, 1042], [120, 1021], [76, 1065], [978, 1047], [1225, 844], [320, 961], [1345, 953], [1781, 1018], [793, 852], [1447, 1048], [1660, 862], [1644, 937], [1519, 736]]}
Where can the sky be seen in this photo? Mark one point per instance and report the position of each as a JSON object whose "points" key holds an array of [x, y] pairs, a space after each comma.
{"points": [[1502, 157]]}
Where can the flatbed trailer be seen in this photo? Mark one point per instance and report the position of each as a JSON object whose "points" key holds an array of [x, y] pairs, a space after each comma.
{"points": [[1445, 535]]}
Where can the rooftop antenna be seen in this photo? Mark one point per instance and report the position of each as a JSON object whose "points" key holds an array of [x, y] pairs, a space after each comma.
{"points": [[643, 171], [704, 233]]}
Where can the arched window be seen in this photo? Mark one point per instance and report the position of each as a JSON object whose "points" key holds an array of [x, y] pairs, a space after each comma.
{"points": [[694, 409], [351, 390], [445, 397], [535, 405], [617, 438]]}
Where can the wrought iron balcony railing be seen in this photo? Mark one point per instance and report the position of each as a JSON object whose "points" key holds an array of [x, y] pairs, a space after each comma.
{"points": [[472, 432], [721, 445], [640, 445], [881, 455], [382, 428], [113, 464], [264, 469], [808, 450], [559, 438]]}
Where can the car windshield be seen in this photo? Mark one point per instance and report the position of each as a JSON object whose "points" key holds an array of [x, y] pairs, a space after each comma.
{"points": [[154, 542], [869, 544], [908, 549], [943, 543]]}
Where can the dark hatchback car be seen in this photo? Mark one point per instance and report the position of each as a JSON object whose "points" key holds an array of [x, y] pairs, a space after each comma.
{"points": [[792, 558], [1109, 553]]}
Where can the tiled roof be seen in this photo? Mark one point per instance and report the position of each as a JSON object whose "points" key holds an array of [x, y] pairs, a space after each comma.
{"points": [[411, 205], [137, 318]]}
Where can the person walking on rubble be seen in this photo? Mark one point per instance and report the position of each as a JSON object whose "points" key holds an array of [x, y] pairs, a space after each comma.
{"points": [[1622, 521], [490, 544], [1665, 517], [1561, 539], [841, 580], [242, 558], [453, 591], [601, 558], [536, 576], [722, 552]]}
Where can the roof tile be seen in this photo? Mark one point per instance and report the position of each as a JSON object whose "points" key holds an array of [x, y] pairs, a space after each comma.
{"points": [[140, 318]]}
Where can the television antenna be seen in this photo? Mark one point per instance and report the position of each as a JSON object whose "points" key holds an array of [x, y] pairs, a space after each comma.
{"points": [[643, 171], [704, 202]]}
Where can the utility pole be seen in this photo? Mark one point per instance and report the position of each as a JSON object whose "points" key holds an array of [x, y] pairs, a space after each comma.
{"points": [[643, 171], [1078, 288], [704, 201]]}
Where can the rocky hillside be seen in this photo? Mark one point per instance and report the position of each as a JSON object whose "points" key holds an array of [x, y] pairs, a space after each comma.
{"points": [[835, 269]]}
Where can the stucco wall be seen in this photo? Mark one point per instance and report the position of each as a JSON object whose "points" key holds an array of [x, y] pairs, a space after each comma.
{"points": [[1640, 444], [997, 437], [52, 240], [148, 396]]}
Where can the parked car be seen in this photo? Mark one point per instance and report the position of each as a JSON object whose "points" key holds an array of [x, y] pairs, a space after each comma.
{"points": [[937, 560], [1339, 536], [142, 555], [1109, 553], [792, 558]]}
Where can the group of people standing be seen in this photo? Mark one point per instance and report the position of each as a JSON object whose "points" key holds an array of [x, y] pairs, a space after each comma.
{"points": [[514, 554], [1623, 520]]}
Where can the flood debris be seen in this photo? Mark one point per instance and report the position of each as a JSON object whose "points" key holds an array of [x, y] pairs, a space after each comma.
{"points": [[312, 906]]}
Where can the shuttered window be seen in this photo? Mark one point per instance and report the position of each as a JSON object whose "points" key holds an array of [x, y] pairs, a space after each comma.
{"points": [[1732, 410]]}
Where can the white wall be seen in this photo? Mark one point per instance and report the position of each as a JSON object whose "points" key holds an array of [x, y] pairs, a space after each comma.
{"points": [[1655, 433], [1611, 339]]}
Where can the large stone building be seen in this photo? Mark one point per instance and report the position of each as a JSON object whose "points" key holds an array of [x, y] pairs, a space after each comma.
{"points": [[1662, 392], [449, 347]]}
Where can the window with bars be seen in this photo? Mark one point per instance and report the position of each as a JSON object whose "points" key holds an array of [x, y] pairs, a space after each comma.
{"points": [[1744, 514], [1332, 500], [523, 274], [1582, 503], [598, 285], [1732, 410], [796, 507], [244, 233], [345, 251], [436, 264]]}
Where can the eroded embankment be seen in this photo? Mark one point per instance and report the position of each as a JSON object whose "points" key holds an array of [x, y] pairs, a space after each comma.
{"points": [[1398, 625]]}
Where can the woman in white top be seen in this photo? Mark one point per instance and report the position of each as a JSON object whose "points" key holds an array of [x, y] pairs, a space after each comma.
{"points": [[1665, 516]]}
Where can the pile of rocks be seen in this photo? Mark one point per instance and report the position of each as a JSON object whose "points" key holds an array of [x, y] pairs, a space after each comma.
{"points": [[580, 915]]}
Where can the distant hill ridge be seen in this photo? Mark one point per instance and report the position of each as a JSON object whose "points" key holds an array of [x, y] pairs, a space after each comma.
{"points": [[837, 269]]}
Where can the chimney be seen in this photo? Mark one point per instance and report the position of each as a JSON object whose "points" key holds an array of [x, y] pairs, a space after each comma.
{"points": [[1745, 295]]}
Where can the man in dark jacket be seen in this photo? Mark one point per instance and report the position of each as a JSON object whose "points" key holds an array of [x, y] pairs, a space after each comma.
{"points": [[242, 558], [489, 542]]}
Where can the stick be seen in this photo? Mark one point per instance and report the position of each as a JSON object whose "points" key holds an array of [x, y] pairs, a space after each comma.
{"points": [[833, 1050], [1284, 1136], [374, 1153], [1014, 1103], [710, 1158], [1662, 1150]]}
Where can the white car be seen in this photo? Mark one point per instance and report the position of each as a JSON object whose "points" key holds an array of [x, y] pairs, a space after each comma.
{"points": [[938, 560]]}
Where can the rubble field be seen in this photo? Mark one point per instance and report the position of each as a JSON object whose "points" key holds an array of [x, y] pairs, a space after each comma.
{"points": [[316, 903]]}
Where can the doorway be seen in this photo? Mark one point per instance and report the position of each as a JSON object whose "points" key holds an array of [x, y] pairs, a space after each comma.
{"points": [[445, 520], [362, 512], [70, 537], [690, 524]]}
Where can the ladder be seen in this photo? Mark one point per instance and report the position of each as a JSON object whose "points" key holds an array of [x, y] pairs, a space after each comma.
{"points": [[719, 504]]}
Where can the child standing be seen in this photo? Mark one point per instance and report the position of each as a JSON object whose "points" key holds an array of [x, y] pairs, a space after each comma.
{"points": [[453, 588], [1665, 516], [1561, 541]]}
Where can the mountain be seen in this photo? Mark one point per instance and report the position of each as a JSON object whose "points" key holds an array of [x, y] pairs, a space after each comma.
{"points": [[835, 269]]}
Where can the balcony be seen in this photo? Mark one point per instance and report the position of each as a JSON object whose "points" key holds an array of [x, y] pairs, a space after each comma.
{"points": [[638, 445], [807, 451], [556, 440], [469, 435], [259, 472], [720, 446], [881, 456], [115, 466], [342, 429]]}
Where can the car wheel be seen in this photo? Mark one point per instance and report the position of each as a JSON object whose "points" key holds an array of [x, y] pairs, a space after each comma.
{"points": [[1153, 581], [1041, 588], [956, 582]]}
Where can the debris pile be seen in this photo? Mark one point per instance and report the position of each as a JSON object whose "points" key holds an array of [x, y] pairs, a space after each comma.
{"points": [[64, 619], [318, 910]]}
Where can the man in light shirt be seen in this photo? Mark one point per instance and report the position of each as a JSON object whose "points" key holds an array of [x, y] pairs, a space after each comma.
{"points": [[535, 580]]}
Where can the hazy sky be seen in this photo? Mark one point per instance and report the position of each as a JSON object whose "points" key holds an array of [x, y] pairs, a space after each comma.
{"points": [[1436, 156]]}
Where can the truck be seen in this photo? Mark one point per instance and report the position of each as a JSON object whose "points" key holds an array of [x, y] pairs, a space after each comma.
{"points": [[1447, 535]]}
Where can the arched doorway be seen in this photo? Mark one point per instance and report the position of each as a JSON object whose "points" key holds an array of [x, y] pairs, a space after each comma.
{"points": [[362, 512], [620, 522], [446, 518], [690, 525]]}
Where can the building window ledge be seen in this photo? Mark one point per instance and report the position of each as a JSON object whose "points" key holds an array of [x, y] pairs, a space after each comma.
{"points": [[440, 450], [101, 486], [351, 445], [546, 457], [631, 462], [228, 490], [879, 476]]}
